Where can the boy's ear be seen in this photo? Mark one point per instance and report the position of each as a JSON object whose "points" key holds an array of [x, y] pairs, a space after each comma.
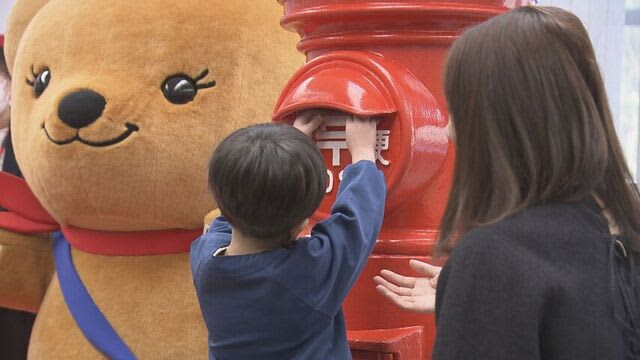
{"points": [[20, 16]]}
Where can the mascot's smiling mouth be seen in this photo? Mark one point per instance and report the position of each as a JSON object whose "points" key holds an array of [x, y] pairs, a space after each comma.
{"points": [[131, 128]]}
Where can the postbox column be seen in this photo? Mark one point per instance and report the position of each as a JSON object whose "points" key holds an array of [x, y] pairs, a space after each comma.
{"points": [[385, 58]]}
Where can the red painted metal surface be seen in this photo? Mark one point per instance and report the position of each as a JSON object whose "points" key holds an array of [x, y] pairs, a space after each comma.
{"points": [[385, 58], [397, 344]]}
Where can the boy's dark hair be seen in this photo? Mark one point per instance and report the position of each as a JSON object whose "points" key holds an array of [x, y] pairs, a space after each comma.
{"points": [[267, 179]]}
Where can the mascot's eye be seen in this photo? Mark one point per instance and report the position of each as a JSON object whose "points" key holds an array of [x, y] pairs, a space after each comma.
{"points": [[180, 89], [40, 81]]}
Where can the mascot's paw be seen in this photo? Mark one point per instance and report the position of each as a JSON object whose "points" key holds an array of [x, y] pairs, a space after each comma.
{"points": [[208, 219], [26, 265]]}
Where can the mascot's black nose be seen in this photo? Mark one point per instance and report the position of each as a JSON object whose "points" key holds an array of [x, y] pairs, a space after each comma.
{"points": [[81, 108]]}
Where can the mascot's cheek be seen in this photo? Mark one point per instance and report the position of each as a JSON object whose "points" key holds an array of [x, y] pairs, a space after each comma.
{"points": [[145, 174]]}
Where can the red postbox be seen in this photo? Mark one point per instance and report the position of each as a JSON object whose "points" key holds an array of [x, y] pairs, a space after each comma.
{"points": [[385, 58]]}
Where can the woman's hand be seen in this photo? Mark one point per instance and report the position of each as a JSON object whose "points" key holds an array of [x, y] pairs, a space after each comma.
{"points": [[411, 293]]}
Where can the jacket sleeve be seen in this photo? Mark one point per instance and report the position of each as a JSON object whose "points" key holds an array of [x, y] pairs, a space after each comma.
{"points": [[489, 303], [333, 257], [204, 246], [220, 225]]}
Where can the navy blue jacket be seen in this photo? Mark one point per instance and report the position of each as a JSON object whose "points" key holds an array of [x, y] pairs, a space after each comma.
{"points": [[286, 303]]}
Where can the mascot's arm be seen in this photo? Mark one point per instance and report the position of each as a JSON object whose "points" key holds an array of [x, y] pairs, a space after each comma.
{"points": [[26, 257], [26, 268], [208, 219]]}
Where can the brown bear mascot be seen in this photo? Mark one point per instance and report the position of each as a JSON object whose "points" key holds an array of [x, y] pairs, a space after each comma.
{"points": [[116, 106]]}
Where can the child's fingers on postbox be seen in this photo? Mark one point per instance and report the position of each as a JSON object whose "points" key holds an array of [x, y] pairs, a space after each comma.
{"points": [[375, 118], [316, 133], [306, 116], [312, 124], [366, 119], [315, 122], [362, 128], [302, 116], [307, 122], [361, 124], [361, 140]]}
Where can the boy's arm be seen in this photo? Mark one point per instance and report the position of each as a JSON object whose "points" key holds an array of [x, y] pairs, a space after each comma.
{"points": [[324, 267], [340, 246], [220, 225], [203, 247]]}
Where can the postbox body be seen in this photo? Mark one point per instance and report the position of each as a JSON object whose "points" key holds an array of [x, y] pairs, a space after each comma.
{"points": [[385, 58]]}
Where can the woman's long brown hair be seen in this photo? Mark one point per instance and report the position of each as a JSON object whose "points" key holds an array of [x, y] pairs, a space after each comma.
{"points": [[532, 123]]}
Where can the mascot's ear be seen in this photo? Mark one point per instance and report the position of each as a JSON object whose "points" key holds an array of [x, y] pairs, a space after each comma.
{"points": [[19, 18]]}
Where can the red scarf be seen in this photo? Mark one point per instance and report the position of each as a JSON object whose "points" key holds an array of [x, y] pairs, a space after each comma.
{"points": [[25, 215]]}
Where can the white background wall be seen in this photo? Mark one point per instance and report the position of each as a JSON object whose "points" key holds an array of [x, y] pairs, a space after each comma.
{"points": [[604, 20], [5, 5]]}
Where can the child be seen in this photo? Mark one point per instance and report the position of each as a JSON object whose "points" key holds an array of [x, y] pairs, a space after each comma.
{"points": [[264, 292]]}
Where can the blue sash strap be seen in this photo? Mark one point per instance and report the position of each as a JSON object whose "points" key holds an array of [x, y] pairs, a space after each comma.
{"points": [[90, 320]]}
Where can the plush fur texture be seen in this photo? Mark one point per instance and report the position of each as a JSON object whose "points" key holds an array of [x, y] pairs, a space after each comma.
{"points": [[125, 50], [156, 178], [148, 300], [26, 265], [19, 18]]}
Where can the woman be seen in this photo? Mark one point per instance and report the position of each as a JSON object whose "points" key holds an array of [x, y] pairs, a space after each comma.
{"points": [[543, 204]]}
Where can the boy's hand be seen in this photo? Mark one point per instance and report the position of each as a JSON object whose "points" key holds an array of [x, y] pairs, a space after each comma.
{"points": [[308, 122], [361, 138]]}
